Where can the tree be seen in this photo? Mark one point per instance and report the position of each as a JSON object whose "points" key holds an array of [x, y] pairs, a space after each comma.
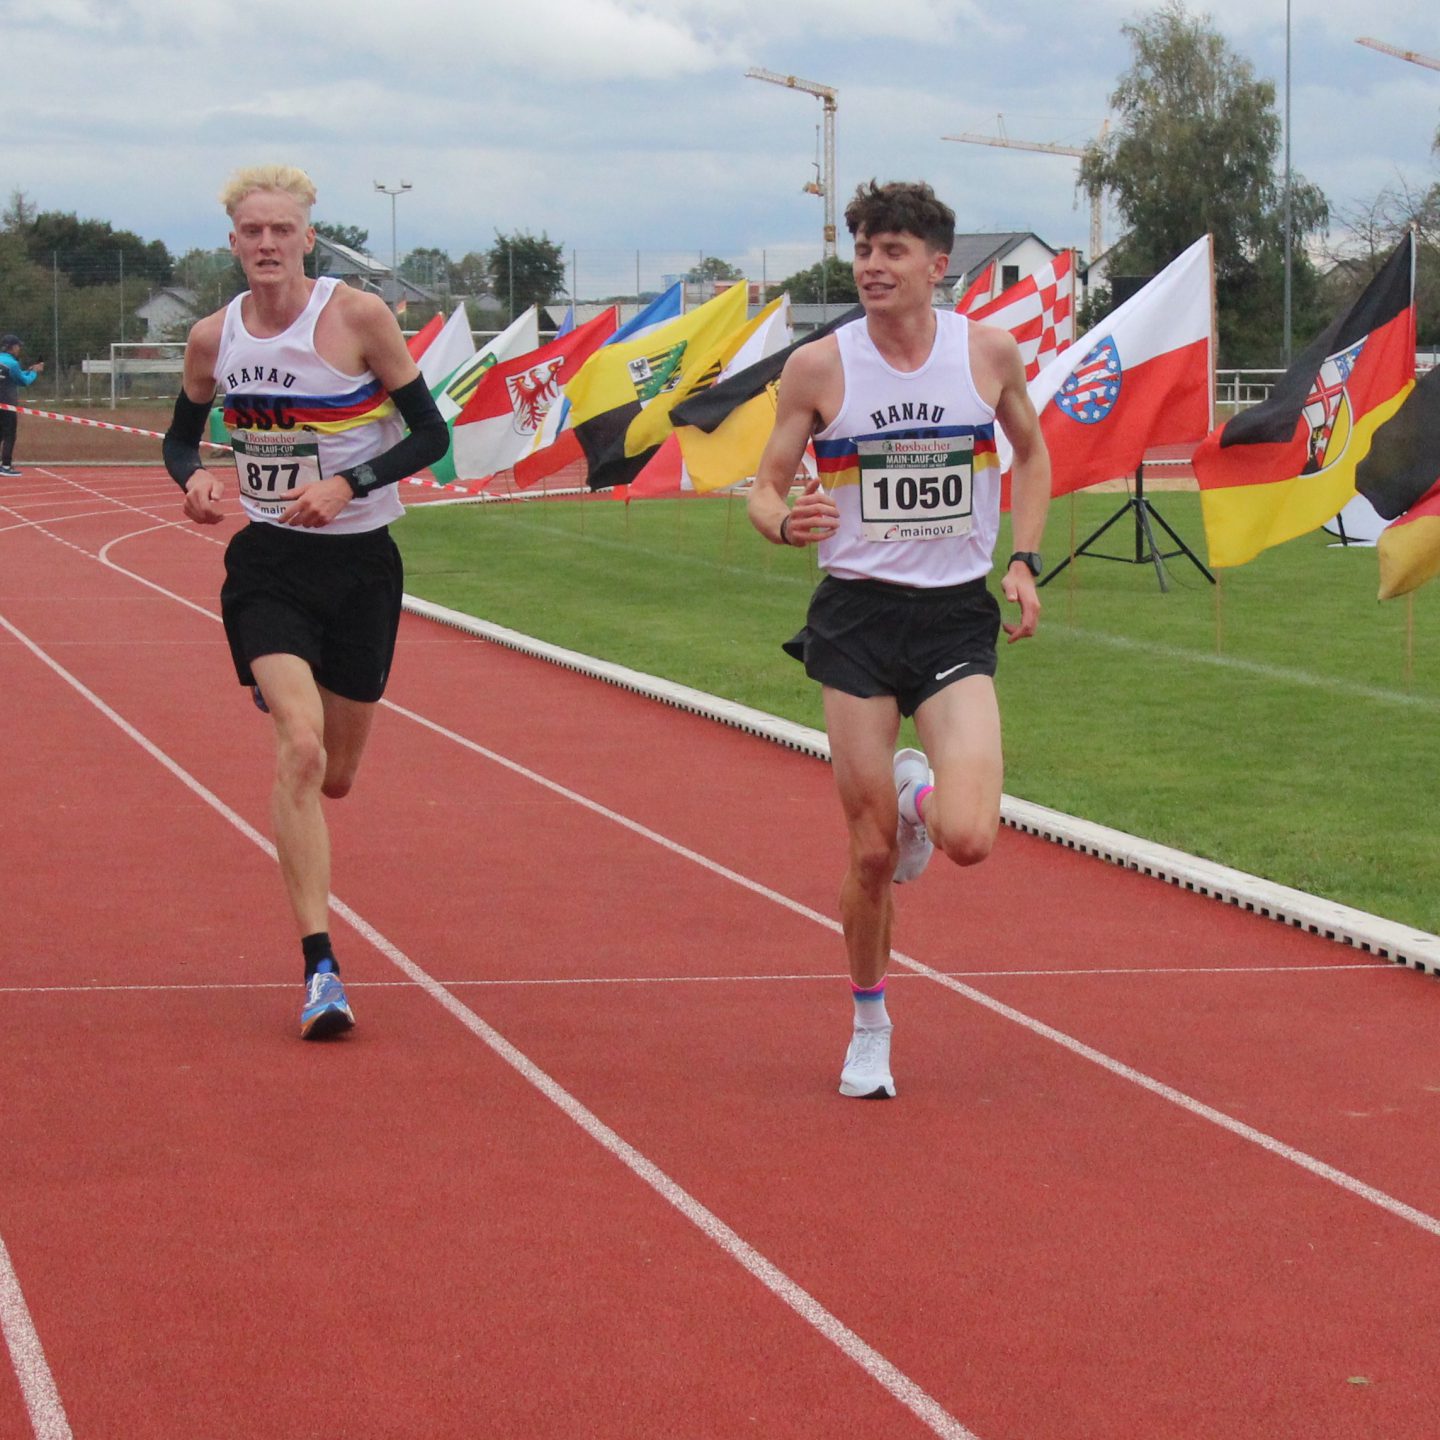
{"points": [[19, 213], [214, 275], [526, 270], [829, 281], [92, 252], [470, 275], [351, 236], [428, 267], [1195, 150], [713, 268], [46, 308], [1371, 231]]}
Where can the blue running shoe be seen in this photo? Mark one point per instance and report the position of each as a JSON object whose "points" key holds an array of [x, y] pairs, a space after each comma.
{"points": [[259, 700], [326, 1010]]}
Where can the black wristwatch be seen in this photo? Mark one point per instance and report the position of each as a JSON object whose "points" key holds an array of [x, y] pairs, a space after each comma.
{"points": [[1030, 559]]}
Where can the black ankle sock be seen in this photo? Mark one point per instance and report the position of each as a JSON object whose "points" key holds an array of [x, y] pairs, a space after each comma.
{"points": [[317, 948]]}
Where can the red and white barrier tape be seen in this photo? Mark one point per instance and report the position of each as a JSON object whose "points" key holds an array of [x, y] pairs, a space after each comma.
{"points": [[454, 489], [99, 424]]}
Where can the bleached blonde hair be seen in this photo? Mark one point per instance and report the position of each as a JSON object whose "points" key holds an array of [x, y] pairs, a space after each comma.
{"points": [[288, 179]]}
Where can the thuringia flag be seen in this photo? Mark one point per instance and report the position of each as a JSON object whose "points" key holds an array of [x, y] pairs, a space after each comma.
{"points": [[1142, 377]]}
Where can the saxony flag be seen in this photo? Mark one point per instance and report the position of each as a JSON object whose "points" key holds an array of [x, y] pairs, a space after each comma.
{"points": [[618, 381]]}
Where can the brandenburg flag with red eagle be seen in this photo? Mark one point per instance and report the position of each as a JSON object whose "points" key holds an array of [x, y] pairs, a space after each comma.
{"points": [[1288, 465]]}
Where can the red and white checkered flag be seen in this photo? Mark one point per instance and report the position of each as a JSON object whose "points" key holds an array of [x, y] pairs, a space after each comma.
{"points": [[1039, 312]]}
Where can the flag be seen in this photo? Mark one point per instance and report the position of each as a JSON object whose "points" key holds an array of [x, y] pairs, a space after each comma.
{"points": [[1039, 311], [1287, 465], [567, 324], [503, 415], [453, 390], [667, 471], [653, 424], [451, 345], [723, 430], [1142, 377], [617, 383], [979, 291], [556, 446], [1400, 477], [420, 340]]}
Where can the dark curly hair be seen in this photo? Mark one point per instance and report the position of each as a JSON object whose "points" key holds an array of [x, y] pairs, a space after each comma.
{"points": [[902, 205]]}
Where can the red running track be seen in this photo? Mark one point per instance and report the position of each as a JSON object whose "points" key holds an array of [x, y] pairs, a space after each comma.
{"points": [[1157, 1168]]}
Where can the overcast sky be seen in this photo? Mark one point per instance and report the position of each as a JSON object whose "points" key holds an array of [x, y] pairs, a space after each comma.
{"points": [[624, 125]]}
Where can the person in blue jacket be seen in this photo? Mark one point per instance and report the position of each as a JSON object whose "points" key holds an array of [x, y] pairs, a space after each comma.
{"points": [[12, 376]]}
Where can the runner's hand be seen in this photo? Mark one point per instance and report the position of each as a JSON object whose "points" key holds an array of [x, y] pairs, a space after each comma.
{"points": [[813, 517], [202, 498], [1019, 589], [319, 503]]}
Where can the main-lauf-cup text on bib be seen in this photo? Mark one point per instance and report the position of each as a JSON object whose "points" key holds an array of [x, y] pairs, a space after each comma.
{"points": [[272, 465], [916, 488]]}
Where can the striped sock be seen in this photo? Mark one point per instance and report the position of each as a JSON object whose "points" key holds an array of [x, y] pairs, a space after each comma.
{"points": [[870, 1013], [921, 795]]}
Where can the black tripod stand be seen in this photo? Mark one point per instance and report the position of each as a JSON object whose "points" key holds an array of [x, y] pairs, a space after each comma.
{"points": [[1145, 546]]}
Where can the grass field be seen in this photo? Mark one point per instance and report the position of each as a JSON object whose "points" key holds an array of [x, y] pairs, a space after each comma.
{"points": [[1282, 725]]}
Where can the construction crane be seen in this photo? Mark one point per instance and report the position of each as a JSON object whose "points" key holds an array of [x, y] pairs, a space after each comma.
{"points": [[1004, 142], [1414, 56], [825, 185]]}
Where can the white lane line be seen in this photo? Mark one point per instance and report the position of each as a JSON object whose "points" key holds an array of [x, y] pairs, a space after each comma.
{"points": [[500, 982], [37, 1385], [892, 1379]]}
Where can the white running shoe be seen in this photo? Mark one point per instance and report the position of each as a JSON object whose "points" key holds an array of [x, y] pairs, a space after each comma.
{"points": [[866, 1075], [916, 847]]}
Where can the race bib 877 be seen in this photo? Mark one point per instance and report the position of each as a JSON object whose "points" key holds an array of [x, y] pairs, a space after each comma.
{"points": [[916, 488], [271, 465]]}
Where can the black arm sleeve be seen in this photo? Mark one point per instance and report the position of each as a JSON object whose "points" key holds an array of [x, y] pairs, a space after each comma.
{"points": [[427, 441], [181, 446]]}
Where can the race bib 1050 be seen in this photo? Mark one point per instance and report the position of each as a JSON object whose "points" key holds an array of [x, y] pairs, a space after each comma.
{"points": [[916, 489]]}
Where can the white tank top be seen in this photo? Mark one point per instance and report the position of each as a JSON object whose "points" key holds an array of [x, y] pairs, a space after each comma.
{"points": [[911, 465], [294, 418]]}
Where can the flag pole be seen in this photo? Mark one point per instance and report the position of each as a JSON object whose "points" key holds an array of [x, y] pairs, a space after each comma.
{"points": [[1409, 639], [1070, 580], [1219, 614]]}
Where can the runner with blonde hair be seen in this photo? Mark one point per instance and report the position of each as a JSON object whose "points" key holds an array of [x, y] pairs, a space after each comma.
{"points": [[287, 179], [319, 388]]}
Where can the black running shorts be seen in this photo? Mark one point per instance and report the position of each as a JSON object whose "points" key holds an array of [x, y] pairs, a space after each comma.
{"points": [[333, 600], [868, 638]]}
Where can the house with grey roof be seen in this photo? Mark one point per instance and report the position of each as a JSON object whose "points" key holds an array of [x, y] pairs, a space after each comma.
{"points": [[1014, 253]]}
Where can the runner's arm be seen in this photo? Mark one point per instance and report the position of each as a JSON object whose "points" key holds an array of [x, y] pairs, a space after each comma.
{"points": [[797, 415], [384, 354], [1029, 481], [181, 447]]}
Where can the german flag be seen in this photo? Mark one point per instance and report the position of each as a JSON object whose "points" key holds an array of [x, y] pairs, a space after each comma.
{"points": [[1400, 477], [1289, 464]]}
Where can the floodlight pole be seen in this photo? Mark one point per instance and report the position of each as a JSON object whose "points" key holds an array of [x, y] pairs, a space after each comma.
{"points": [[829, 97], [392, 192]]}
